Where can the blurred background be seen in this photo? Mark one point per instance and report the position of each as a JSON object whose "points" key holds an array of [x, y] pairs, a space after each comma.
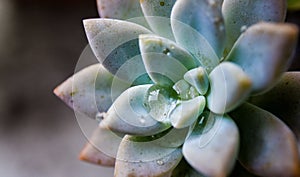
{"points": [[40, 43]]}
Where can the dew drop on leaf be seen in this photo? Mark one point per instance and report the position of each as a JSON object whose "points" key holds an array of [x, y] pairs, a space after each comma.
{"points": [[243, 28], [160, 101], [160, 162]]}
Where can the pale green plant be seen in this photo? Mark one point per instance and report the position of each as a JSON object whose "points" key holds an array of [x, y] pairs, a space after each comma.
{"points": [[187, 87]]}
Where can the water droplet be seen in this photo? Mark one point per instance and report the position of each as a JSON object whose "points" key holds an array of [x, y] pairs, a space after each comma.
{"points": [[208, 69], [169, 54], [142, 120], [206, 122], [243, 28], [160, 162], [201, 120], [159, 101]]}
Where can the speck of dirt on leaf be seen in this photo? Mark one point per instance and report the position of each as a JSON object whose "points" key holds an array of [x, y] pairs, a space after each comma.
{"points": [[166, 51]]}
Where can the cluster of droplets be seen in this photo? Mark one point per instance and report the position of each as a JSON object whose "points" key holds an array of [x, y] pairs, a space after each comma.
{"points": [[161, 101]]}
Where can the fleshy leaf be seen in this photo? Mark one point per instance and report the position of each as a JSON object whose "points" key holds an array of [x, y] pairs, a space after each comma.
{"points": [[90, 90], [115, 45], [121, 9], [144, 158], [187, 112], [268, 146], [173, 138], [239, 15], [128, 114], [198, 78], [157, 14], [205, 17], [102, 147], [229, 87], [165, 62], [188, 38], [213, 152], [264, 52], [283, 101]]}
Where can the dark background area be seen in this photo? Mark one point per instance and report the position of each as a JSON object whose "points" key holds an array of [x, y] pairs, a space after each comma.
{"points": [[40, 43]]}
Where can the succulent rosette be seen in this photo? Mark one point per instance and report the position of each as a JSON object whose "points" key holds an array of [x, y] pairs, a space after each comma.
{"points": [[190, 88]]}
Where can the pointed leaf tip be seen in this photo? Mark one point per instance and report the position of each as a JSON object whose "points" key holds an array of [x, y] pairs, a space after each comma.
{"points": [[115, 45], [229, 87], [238, 14], [264, 51], [91, 90], [198, 78], [102, 147], [165, 61]]}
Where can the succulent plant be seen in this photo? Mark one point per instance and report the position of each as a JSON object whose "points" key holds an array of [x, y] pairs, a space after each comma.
{"points": [[190, 87]]}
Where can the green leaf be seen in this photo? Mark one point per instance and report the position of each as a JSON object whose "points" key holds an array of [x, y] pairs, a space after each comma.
{"points": [[144, 158], [264, 52], [203, 16], [283, 101], [91, 90], [212, 150], [128, 114], [187, 112], [229, 87], [115, 44], [198, 78], [157, 14], [268, 146], [174, 138], [242, 14], [102, 147], [165, 62]]}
